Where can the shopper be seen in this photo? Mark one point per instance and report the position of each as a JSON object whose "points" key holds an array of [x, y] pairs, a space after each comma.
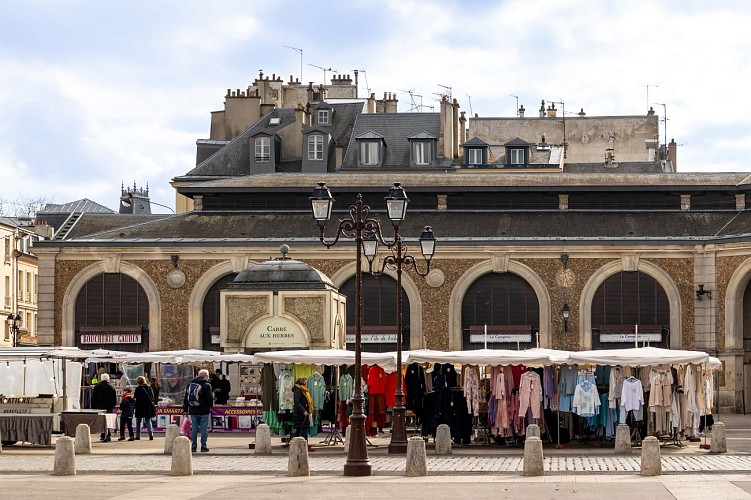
{"points": [[302, 409], [222, 388], [154, 389], [197, 402], [104, 397], [145, 408], [127, 407]]}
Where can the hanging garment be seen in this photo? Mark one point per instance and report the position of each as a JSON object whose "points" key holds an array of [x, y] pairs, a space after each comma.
{"points": [[615, 387], [586, 402], [632, 394], [471, 375], [566, 387], [269, 396], [550, 388], [376, 380], [286, 398], [317, 389], [530, 394], [415, 388], [346, 386], [500, 403]]}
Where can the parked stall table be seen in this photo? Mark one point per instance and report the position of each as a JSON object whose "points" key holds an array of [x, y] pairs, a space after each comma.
{"points": [[31, 428], [97, 420]]}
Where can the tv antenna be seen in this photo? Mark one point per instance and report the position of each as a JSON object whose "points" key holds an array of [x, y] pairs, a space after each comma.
{"points": [[648, 94], [413, 104], [324, 71], [517, 103], [367, 87], [447, 88], [665, 124], [299, 51], [470, 104]]}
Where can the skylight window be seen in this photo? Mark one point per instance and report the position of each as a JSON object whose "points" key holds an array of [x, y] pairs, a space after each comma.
{"points": [[274, 121]]}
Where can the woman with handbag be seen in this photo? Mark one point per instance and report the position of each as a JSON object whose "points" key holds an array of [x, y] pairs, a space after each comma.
{"points": [[145, 407], [302, 409]]}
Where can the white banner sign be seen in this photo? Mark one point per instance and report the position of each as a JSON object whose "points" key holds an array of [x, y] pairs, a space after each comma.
{"points": [[480, 338], [111, 338], [630, 337], [384, 338]]}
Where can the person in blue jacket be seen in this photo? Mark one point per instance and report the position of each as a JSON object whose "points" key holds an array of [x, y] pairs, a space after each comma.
{"points": [[127, 409]]}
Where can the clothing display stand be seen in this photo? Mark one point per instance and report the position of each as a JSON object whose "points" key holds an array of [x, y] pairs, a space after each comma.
{"points": [[558, 445], [334, 437]]}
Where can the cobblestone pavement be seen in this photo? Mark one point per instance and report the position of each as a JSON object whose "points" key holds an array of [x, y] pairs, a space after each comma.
{"points": [[381, 465]]}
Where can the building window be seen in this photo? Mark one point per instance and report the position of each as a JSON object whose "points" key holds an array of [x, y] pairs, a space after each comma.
{"points": [[263, 149], [315, 147], [517, 156], [474, 156], [7, 249], [323, 117], [422, 153], [370, 153]]}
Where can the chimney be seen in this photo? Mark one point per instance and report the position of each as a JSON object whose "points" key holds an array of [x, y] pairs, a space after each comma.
{"points": [[521, 111], [582, 113], [651, 111], [542, 109], [673, 154], [552, 112], [371, 103]]}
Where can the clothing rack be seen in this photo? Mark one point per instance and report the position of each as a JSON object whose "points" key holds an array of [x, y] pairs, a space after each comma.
{"points": [[334, 437]]}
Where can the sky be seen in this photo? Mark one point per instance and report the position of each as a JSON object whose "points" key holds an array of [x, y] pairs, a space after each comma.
{"points": [[94, 95]]}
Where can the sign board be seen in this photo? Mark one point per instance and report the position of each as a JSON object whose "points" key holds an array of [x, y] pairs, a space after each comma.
{"points": [[500, 338], [630, 337], [373, 338], [110, 338], [276, 332]]}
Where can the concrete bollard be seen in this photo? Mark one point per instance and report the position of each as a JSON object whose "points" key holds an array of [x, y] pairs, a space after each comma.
{"points": [[182, 458], [622, 439], [346, 441], [533, 463], [417, 461], [443, 440], [170, 434], [65, 457], [298, 458], [533, 431], [719, 443], [83, 439], [651, 462], [263, 440]]}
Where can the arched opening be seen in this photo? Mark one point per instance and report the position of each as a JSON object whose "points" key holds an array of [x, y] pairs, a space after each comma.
{"points": [[112, 312], [508, 305], [378, 314], [625, 300], [211, 316]]}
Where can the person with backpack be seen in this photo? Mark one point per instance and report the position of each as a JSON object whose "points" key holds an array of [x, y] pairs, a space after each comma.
{"points": [[197, 402], [104, 397]]}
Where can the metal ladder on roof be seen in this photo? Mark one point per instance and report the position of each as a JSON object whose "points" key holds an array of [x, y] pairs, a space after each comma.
{"points": [[67, 225]]}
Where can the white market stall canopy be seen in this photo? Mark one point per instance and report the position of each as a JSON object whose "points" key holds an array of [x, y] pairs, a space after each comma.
{"points": [[326, 357], [638, 356], [492, 357]]}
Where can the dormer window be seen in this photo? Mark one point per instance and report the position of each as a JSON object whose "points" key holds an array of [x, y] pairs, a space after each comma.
{"points": [[517, 152], [315, 147], [323, 117], [263, 149], [516, 156], [370, 153], [422, 148], [474, 156]]}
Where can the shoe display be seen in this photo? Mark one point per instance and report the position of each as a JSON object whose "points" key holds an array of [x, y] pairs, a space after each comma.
{"points": [[121, 438], [204, 450]]}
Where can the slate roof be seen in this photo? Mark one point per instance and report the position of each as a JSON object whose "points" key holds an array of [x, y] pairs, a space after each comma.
{"points": [[94, 223], [395, 128], [635, 167], [82, 205], [475, 141], [595, 227]]}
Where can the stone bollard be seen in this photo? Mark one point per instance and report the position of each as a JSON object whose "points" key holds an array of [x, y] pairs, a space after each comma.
{"points": [[182, 458], [417, 461], [533, 431], [533, 464], [170, 434], [346, 441], [298, 458], [65, 457], [443, 440], [263, 440], [83, 439], [651, 463], [622, 439], [719, 443]]}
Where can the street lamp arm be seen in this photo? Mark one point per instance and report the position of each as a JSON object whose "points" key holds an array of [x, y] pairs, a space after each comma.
{"points": [[396, 263]]}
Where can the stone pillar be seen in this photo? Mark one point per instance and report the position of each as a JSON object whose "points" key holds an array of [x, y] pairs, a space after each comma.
{"points": [[170, 434], [298, 458], [622, 439], [651, 463], [443, 440], [533, 430], [83, 439], [65, 457], [719, 442], [263, 440], [182, 458], [417, 460], [533, 463]]}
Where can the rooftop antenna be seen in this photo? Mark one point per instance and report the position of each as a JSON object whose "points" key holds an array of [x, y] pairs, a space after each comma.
{"points": [[300, 52], [324, 71], [648, 93], [413, 104], [517, 103], [470, 104], [447, 88], [367, 87], [665, 126]]}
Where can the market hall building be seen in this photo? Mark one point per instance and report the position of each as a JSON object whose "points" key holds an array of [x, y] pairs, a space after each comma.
{"points": [[571, 232]]}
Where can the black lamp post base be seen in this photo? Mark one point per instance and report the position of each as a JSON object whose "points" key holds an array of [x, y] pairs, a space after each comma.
{"points": [[358, 468], [398, 444]]}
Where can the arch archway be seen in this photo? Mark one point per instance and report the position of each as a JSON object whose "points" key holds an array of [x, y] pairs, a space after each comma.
{"points": [[468, 278], [646, 267]]}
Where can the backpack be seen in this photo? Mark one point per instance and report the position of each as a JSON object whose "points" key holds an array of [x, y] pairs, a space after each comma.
{"points": [[194, 394]]}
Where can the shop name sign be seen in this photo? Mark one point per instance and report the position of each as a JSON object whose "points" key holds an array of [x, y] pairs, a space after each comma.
{"points": [[630, 337], [110, 338], [479, 338], [373, 338], [276, 332]]}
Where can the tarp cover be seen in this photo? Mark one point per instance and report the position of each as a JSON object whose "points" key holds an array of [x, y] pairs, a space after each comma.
{"points": [[326, 357], [638, 356]]}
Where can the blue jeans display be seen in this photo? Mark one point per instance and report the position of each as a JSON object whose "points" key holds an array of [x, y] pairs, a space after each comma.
{"points": [[202, 422], [149, 426]]}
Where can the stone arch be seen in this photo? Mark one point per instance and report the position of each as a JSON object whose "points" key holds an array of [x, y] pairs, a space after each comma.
{"points": [[734, 305], [416, 339], [83, 277], [486, 267], [198, 295], [646, 267]]}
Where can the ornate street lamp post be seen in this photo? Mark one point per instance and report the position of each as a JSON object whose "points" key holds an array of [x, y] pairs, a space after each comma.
{"points": [[398, 261], [14, 324]]}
